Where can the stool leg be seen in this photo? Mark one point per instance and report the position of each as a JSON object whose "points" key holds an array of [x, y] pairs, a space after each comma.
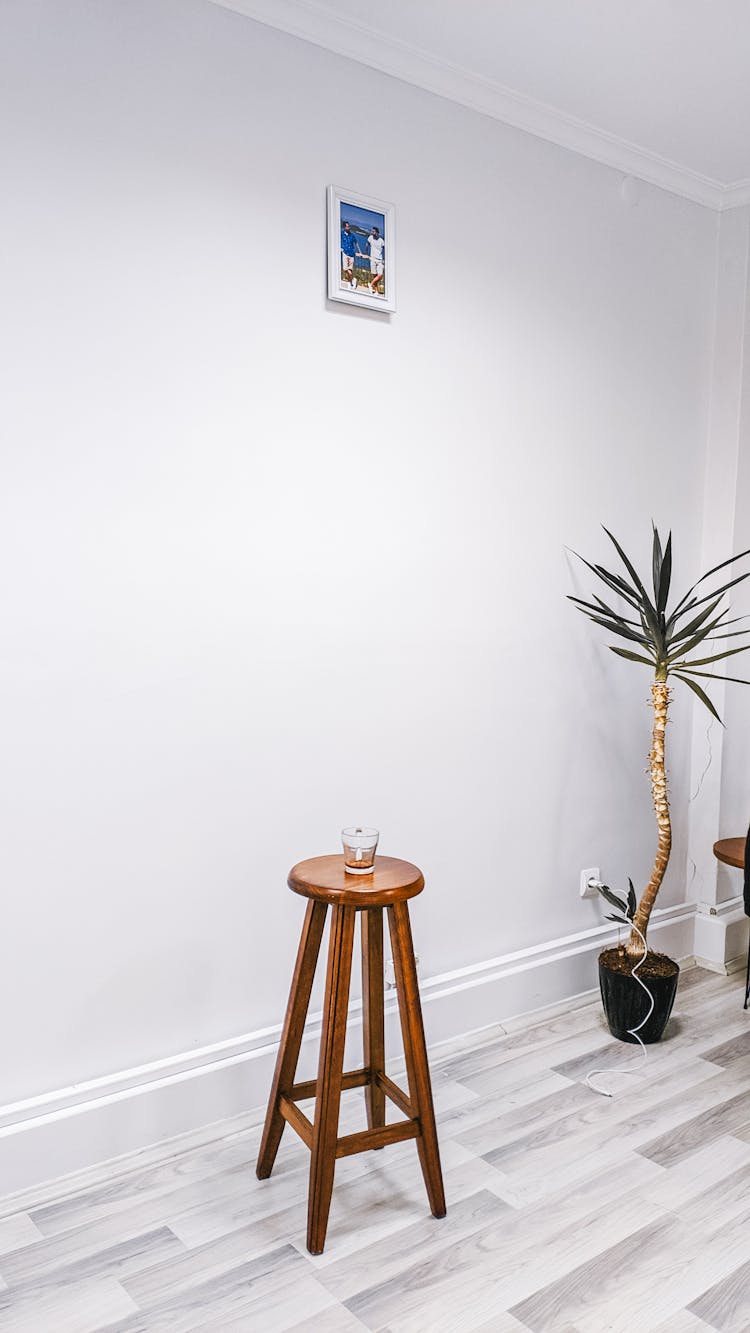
{"points": [[373, 1028], [415, 1050], [330, 1068], [291, 1037], [747, 979]]}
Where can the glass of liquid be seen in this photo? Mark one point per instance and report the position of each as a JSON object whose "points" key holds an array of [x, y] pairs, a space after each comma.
{"points": [[359, 849]]}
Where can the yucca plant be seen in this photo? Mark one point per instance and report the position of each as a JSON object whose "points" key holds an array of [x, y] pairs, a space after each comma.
{"points": [[666, 642]]}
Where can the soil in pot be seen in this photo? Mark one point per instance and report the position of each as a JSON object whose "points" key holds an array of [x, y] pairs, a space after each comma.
{"points": [[626, 1003]]}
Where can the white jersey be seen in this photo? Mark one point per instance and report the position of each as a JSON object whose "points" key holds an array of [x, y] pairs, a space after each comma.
{"points": [[377, 245]]}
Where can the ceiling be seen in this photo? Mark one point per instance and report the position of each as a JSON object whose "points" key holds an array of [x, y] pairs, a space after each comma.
{"points": [[657, 88]]}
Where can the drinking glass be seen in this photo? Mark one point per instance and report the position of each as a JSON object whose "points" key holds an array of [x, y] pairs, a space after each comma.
{"points": [[359, 849]]}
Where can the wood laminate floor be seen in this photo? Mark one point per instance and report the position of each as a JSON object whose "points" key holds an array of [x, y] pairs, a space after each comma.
{"points": [[567, 1212]]}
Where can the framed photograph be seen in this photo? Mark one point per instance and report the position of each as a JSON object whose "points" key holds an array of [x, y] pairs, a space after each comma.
{"points": [[361, 250]]}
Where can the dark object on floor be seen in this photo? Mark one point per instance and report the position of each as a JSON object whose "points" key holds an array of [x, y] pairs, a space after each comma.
{"points": [[626, 1003], [324, 882], [747, 912], [736, 852]]}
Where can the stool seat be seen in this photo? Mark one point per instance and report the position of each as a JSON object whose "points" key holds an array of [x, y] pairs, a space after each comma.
{"points": [[324, 878]]}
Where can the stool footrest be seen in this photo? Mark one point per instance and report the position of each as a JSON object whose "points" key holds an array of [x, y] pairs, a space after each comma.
{"points": [[297, 1119], [377, 1138], [364, 1139], [359, 1078], [395, 1094]]}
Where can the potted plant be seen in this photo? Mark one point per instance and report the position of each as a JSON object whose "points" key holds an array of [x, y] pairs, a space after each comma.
{"points": [[666, 641]]}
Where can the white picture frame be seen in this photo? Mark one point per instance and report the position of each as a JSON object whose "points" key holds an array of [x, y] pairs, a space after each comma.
{"points": [[371, 224]]}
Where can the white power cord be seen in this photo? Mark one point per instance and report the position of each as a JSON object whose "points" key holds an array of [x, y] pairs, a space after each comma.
{"points": [[632, 1032]]}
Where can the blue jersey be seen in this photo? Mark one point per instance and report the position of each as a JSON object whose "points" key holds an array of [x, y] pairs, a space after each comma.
{"points": [[348, 242]]}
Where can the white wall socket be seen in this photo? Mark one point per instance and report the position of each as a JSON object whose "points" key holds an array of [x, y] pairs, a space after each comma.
{"points": [[586, 891]]}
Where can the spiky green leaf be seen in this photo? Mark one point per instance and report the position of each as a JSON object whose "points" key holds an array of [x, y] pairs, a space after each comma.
{"points": [[719, 592], [618, 581], [665, 578], [609, 580], [613, 899], [706, 661], [678, 613], [644, 604], [621, 630], [656, 562], [610, 612], [599, 608], [701, 695], [632, 657], [733, 634], [695, 624], [723, 565], [681, 608], [709, 675], [703, 636]]}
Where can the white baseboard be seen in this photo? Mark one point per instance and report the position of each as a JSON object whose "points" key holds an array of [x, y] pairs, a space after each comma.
{"points": [[74, 1128], [721, 935]]}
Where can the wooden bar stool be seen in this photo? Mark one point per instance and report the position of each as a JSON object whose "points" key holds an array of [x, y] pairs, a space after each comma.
{"points": [[323, 881]]}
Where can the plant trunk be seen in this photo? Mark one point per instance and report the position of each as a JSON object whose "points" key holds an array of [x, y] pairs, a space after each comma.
{"points": [[660, 697]]}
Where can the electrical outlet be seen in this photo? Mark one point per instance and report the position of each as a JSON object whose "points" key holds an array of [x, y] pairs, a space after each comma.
{"points": [[585, 889]]}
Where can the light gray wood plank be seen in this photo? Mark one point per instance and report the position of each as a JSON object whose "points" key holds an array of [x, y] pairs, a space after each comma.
{"points": [[696, 1037], [420, 1243], [77, 1307], [662, 1267], [728, 1053], [499, 1322], [17, 1230], [272, 1291], [481, 1114], [171, 1280], [724, 1206], [335, 1319], [64, 1260], [103, 1199], [513, 1130], [379, 1207], [567, 1035], [280, 1309], [723, 1117], [581, 1296], [639, 1108], [726, 1305], [532, 1173], [710, 1186], [143, 1215], [683, 1322], [489, 1271]]}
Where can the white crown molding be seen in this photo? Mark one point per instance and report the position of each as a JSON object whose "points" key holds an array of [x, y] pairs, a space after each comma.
{"points": [[315, 23]]}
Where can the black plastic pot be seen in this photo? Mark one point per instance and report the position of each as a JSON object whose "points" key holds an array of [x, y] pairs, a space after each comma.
{"points": [[626, 1003]]}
